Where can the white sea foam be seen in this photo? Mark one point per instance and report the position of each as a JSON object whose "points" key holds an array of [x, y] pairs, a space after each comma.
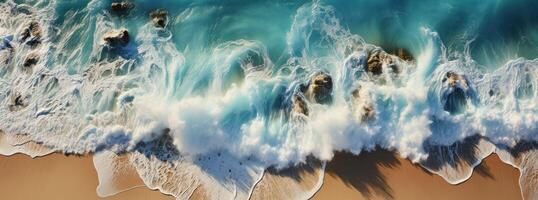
{"points": [[231, 102]]}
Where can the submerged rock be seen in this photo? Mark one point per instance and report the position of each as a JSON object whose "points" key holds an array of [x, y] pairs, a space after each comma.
{"points": [[31, 34], [320, 88], [455, 98], [121, 7], [158, 18], [364, 108], [17, 102], [6, 50], [299, 105], [6, 42], [454, 79], [355, 60], [116, 37], [5, 57], [30, 60], [24, 9]]}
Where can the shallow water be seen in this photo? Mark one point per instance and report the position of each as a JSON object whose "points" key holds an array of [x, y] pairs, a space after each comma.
{"points": [[221, 80]]}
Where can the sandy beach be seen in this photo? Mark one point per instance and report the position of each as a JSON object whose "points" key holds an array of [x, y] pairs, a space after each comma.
{"points": [[376, 175], [58, 177], [384, 175]]}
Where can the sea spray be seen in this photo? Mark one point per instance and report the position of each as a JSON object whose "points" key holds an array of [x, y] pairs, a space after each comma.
{"points": [[211, 98]]}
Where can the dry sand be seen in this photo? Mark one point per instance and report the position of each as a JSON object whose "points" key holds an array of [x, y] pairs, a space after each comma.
{"points": [[377, 175]]}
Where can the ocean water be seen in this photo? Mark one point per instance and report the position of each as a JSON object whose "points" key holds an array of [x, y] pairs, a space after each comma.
{"points": [[214, 91]]}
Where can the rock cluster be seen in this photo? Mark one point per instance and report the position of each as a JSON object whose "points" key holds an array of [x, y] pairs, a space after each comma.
{"points": [[30, 60], [31, 34], [121, 7], [116, 38], [320, 88], [455, 98], [158, 18], [375, 62], [379, 60]]}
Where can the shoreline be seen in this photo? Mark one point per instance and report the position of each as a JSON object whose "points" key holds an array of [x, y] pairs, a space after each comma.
{"points": [[57, 176], [392, 177], [371, 175]]}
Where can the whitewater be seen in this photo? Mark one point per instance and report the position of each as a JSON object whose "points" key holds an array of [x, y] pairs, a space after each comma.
{"points": [[212, 94]]}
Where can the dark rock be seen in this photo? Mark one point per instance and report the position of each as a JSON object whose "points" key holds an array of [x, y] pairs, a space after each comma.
{"points": [[378, 59], [456, 101], [453, 78], [32, 33], [299, 105], [17, 102], [375, 62], [455, 98], [31, 60], [395, 68], [117, 37], [121, 7], [158, 18], [320, 88]]}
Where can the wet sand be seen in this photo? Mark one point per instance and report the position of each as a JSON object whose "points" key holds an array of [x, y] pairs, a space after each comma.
{"points": [[377, 175], [384, 175], [58, 177]]}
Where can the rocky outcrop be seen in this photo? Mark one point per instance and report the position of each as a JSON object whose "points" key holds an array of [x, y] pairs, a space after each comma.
{"points": [[121, 7], [116, 38], [18, 102], [158, 18], [453, 79], [379, 61], [299, 105], [455, 96], [375, 62], [31, 34], [30, 60], [320, 88]]}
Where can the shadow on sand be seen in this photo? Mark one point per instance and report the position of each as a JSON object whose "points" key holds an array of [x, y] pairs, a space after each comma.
{"points": [[459, 154], [297, 172], [363, 172]]}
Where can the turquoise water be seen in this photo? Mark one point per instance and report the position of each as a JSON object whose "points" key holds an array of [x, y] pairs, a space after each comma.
{"points": [[499, 30], [229, 77]]}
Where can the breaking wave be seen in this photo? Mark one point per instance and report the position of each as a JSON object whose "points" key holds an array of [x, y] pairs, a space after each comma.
{"points": [[215, 89]]}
